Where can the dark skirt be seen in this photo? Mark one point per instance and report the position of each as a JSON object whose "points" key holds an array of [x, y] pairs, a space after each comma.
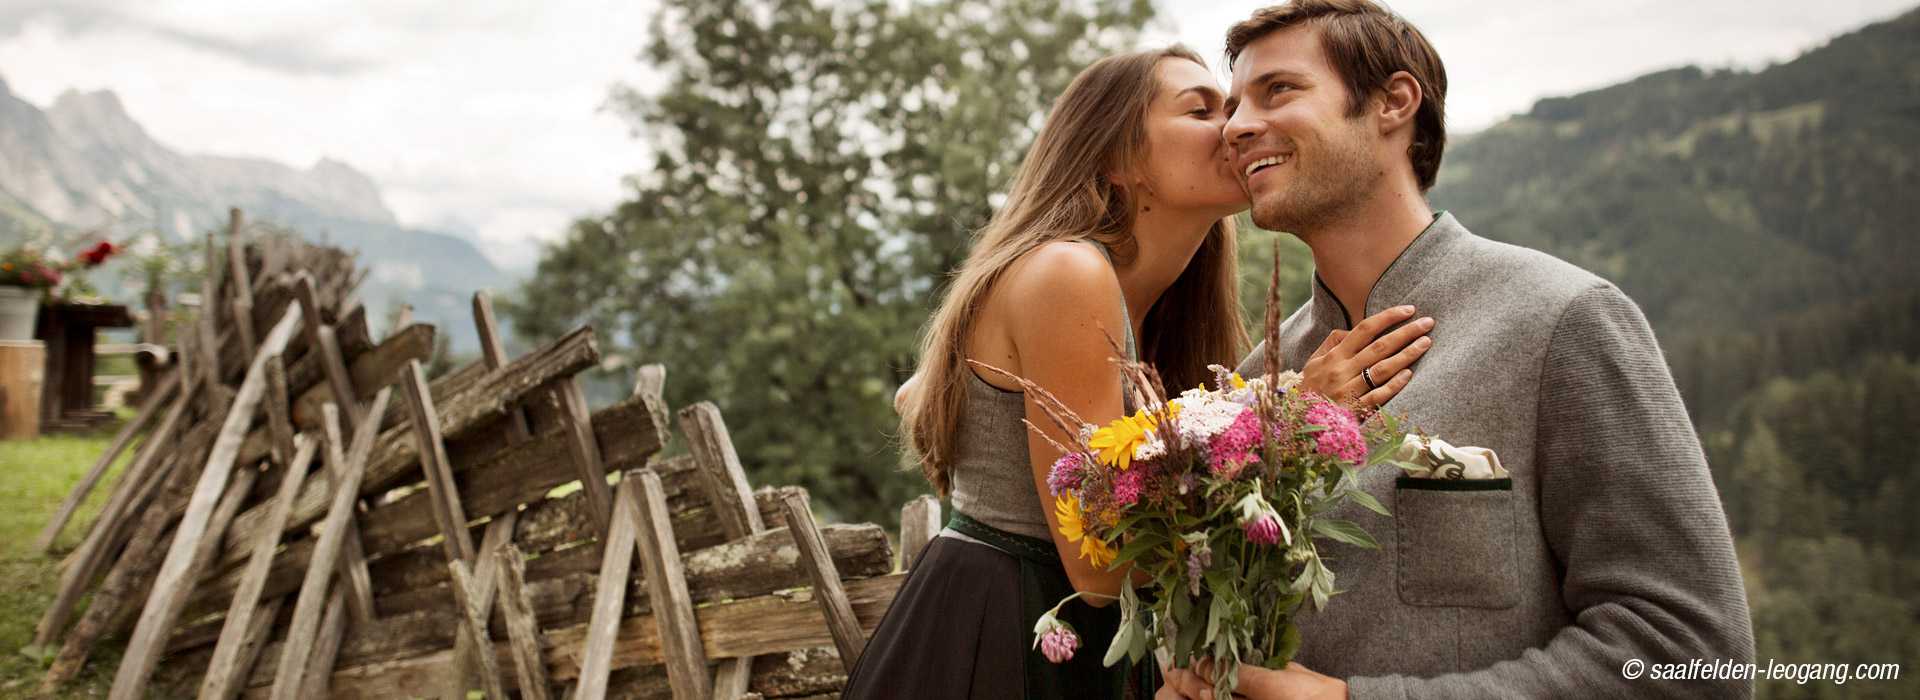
{"points": [[962, 627]]}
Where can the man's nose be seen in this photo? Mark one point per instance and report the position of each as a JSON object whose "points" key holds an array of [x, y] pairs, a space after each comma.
{"points": [[1243, 126]]}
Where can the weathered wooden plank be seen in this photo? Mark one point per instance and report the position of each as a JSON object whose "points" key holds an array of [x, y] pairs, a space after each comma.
{"points": [[584, 450], [523, 629], [354, 578], [307, 608], [231, 662], [730, 497], [372, 369], [177, 572], [326, 647], [123, 584], [149, 409], [279, 425], [241, 284], [499, 534], [596, 646], [919, 522], [474, 625], [444, 495], [396, 451], [332, 363], [818, 562], [136, 488], [793, 674], [493, 354], [667, 588]]}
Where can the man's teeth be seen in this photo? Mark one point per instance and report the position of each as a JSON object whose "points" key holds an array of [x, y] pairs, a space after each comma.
{"points": [[1263, 162]]}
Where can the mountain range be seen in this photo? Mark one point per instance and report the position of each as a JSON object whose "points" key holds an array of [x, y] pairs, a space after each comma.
{"points": [[83, 166]]}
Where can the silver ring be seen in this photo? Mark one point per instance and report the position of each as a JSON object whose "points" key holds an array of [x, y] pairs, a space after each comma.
{"points": [[1366, 373]]}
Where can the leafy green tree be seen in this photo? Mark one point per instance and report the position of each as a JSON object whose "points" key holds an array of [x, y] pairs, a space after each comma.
{"points": [[818, 168]]}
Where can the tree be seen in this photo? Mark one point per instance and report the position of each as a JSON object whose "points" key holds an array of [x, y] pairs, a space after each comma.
{"points": [[818, 169]]}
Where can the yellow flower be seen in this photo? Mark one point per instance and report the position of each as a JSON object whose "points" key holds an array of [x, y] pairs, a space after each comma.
{"points": [[1238, 383], [1073, 524], [1116, 442]]}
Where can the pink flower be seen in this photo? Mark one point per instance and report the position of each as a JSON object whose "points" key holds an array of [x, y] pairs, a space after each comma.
{"points": [[1236, 446], [1067, 473], [1342, 435], [1057, 640], [1263, 530], [1128, 485]]}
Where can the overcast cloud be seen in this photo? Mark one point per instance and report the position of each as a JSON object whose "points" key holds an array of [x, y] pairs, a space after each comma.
{"points": [[487, 113]]}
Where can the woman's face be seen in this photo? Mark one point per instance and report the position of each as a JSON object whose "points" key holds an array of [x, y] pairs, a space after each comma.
{"points": [[1186, 165]]}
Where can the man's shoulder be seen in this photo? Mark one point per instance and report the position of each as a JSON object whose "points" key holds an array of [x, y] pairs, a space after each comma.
{"points": [[1532, 277]]}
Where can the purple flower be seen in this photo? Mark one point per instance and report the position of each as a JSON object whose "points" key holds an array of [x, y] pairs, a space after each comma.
{"points": [[1259, 520], [1236, 446], [1341, 438], [1068, 472], [1198, 559]]}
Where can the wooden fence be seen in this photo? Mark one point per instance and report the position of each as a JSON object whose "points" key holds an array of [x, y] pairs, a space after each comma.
{"points": [[294, 525]]}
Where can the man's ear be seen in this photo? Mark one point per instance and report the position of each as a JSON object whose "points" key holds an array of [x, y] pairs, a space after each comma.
{"points": [[1398, 101]]}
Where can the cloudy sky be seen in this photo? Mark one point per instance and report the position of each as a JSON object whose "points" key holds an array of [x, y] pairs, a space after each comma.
{"points": [[486, 114]]}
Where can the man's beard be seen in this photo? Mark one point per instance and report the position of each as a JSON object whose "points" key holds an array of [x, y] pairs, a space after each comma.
{"points": [[1327, 183]]}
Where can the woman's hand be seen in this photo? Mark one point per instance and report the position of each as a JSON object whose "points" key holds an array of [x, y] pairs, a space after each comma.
{"points": [[1254, 683], [1335, 369]]}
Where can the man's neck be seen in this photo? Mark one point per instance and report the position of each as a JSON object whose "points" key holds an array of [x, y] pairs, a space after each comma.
{"points": [[1352, 252]]}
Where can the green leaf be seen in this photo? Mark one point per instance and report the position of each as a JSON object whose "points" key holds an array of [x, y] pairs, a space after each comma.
{"points": [[1345, 531], [1367, 501]]}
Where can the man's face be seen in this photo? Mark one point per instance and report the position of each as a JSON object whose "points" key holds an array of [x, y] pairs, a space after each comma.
{"points": [[1302, 159]]}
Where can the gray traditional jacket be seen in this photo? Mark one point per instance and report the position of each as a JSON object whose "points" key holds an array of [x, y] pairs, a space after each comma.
{"points": [[1608, 545]]}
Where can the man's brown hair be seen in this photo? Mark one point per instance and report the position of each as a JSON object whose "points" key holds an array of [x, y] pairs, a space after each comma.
{"points": [[1367, 44]]}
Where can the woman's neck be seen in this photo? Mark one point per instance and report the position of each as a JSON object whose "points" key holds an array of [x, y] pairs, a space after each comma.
{"points": [[1165, 242]]}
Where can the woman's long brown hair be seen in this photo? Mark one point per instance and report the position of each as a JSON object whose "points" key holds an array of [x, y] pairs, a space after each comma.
{"points": [[1062, 193]]}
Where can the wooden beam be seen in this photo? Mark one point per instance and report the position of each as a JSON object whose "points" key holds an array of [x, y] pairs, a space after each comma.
{"points": [[667, 587], [240, 282], [596, 650], [817, 561], [353, 560], [474, 626], [919, 522], [231, 662], [149, 409], [326, 647], [308, 608], [523, 629], [433, 461], [136, 486], [279, 424], [730, 496], [177, 572]]}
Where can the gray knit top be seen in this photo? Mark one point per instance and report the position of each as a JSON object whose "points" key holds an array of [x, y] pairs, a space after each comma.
{"points": [[991, 471]]}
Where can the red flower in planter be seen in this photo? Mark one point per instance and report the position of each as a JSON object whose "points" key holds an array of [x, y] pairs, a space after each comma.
{"points": [[99, 253]]}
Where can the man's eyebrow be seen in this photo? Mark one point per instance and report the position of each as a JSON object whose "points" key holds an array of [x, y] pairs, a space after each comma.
{"points": [[1261, 81]]}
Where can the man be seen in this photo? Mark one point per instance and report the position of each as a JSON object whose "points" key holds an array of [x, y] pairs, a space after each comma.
{"points": [[1607, 547]]}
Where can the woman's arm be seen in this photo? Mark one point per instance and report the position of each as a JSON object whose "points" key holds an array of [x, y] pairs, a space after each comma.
{"points": [[1064, 315]]}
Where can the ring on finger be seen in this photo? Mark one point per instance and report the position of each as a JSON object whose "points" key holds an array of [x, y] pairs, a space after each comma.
{"points": [[1366, 373]]}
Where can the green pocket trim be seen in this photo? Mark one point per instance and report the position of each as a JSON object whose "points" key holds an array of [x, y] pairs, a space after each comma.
{"points": [[1423, 484]]}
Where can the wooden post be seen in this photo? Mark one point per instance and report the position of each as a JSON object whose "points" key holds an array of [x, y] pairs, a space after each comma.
{"points": [[23, 367], [307, 610], [177, 574], [149, 408], [433, 460], [585, 451], [731, 498], [609, 598], [814, 557], [326, 647], [523, 629], [667, 587], [241, 283], [474, 626], [353, 562], [231, 663], [919, 522]]}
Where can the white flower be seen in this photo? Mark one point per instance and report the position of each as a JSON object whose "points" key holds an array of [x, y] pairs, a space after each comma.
{"points": [[1204, 415], [1151, 448]]}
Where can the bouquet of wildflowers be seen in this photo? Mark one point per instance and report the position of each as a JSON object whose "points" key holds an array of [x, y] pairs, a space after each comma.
{"points": [[1220, 495]]}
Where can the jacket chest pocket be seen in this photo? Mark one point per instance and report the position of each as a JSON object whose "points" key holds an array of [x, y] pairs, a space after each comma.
{"points": [[1456, 545]]}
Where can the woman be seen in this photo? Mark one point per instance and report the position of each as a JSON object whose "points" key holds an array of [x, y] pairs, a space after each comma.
{"points": [[1115, 228]]}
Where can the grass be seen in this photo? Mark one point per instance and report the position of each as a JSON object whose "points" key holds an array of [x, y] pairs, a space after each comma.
{"points": [[35, 475]]}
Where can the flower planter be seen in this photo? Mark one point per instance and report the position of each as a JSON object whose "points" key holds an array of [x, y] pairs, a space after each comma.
{"points": [[18, 305]]}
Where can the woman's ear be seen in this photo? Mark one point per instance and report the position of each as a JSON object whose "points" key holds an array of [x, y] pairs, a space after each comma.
{"points": [[1399, 101]]}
